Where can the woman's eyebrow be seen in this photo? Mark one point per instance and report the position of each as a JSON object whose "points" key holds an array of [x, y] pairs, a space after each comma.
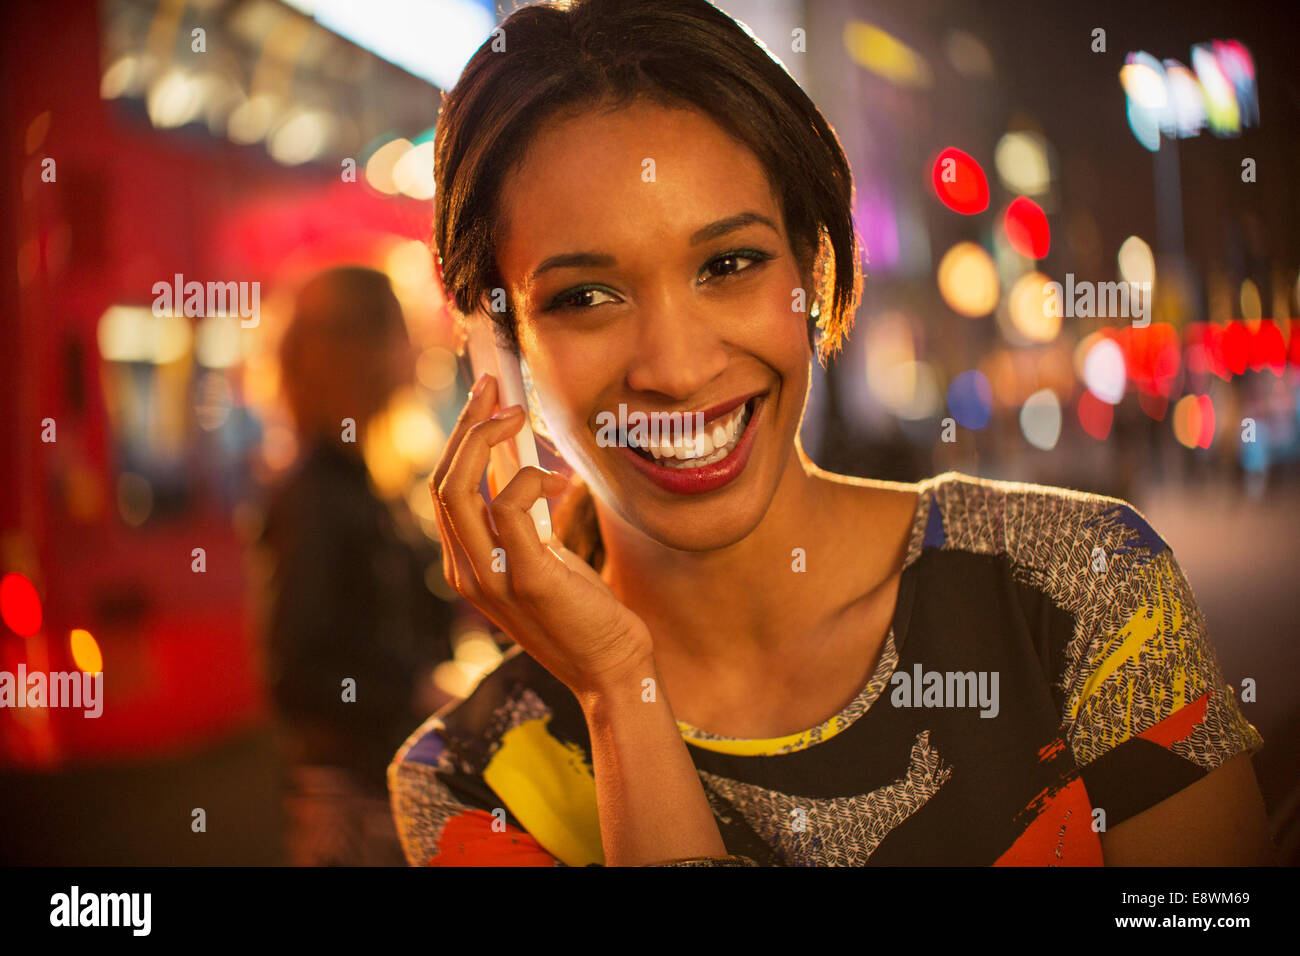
{"points": [[723, 226], [712, 231]]}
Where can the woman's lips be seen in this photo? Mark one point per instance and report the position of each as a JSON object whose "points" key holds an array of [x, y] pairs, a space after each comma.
{"points": [[697, 481]]}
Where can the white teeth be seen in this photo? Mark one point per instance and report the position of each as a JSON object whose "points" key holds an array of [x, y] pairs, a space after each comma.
{"points": [[704, 446], [707, 449]]}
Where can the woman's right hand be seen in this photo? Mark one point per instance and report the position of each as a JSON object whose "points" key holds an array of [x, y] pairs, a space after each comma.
{"points": [[546, 598]]}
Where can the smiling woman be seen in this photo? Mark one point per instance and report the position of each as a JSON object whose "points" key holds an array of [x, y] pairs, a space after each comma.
{"points": [[664, 219]]}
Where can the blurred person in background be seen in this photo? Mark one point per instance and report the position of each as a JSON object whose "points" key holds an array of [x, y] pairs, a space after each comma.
{"points": [[353, 630]]}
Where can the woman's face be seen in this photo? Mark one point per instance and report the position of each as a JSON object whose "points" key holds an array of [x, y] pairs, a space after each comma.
{"points": [[646, 259]]}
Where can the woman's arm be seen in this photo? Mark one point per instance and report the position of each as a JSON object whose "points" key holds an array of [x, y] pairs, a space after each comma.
{"points": [[1217, 821], [653, 809]]}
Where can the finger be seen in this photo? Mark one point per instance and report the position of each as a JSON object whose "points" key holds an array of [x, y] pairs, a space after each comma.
{"points": [[456, 567], [479, 406], [455, 563], [466, 511], [459, 571], [525, 551]]}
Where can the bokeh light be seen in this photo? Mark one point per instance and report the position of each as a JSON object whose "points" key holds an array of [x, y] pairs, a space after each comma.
{"points": [[968, 280], [1035, 309], [1136, 263], [968, 55], [435, 369], [217, 342], [1194, 421], [413, 172], [1186, 102], [1022, 164], [970, 399], [1251, 306], [1143, 79], [1268, 349], [1104, 370], [1095, 416], [20, 605], [253, 119], [1040, 419], [885, 55], [301, 136], [1027, 228], [1153, 356], [85, 651], [1221, 107], [174, 98], [380, 167], [1235, 348], [959, 182], [135, 334]]}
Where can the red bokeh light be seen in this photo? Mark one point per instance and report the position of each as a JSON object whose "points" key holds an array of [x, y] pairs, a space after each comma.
{"points": [[20, 605], [1027, 228], [1152, 356], [1095, 416], [1206, 437], [1267, 350], [1235, 348], [960, 183]]}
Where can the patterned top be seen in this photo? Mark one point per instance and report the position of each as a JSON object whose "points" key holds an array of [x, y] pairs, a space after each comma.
{"points": [[1047, 675]]}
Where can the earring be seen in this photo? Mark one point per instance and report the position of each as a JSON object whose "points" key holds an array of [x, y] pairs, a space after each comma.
{"points": [[814, 326]]}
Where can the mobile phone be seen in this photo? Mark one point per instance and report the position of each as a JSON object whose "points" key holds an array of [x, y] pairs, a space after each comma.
{"points": [[485, 355]]}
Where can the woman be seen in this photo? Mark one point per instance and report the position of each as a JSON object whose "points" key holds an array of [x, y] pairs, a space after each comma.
{"points": [[736, 657]]}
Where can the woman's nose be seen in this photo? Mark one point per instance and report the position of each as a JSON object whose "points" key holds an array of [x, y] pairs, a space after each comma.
{"points": [[678, 350]]}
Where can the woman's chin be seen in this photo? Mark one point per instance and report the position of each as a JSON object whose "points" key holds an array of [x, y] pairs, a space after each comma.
{"points": [[706, 533]]}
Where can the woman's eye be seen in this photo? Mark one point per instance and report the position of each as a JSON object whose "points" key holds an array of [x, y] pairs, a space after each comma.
{"points": [[577, 299], [731, 263]]}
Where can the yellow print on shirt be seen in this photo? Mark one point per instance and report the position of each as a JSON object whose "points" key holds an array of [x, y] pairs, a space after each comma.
{"points": [[1164, 641]]}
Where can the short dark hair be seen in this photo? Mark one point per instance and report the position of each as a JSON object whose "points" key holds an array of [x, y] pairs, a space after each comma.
{"points": [[575, 54]]}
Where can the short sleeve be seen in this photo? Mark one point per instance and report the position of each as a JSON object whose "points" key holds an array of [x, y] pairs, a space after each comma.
{"points": [[1147, 709], [446, 816]]}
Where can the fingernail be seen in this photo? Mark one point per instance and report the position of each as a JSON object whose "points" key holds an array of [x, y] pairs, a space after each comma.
{"points": [[510, 412], [478, 386]]}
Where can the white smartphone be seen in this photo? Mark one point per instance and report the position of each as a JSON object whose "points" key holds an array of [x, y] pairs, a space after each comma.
{"points": [[507, 457]]}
